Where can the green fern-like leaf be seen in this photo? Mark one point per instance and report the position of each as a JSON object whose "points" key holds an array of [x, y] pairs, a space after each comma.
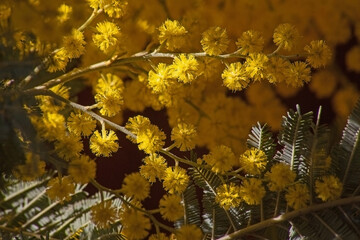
{"points": [[294, 137], [191, 207], [346, 155], [261, 138]]}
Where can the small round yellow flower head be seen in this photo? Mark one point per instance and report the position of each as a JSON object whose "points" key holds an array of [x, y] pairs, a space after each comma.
{"points": [[159, 80], [107, 36], [135, 224], [344, 100], [214, 41], [298, 73], [50, 125], [173, 33], [253, 161], [110, 102], [171, 208], [134, 185], [151, 139], [297, 196], [109, 81], [250, 42], [221, 159], [255, 65], [58, 61], [276, 69], [137, 124], [353, 59], [103, 214], [32, 169], [286, 35], [252, 191], [189, 232], [82, 170], [328, 188], [74, 44], [279, 177], [104, 144], [319, 53], [159, 236], [64, 13], [228, 195], [80, 124], [235, 77], [60, 188], [68, 147], [184, 136], [154, 167], [184, 68], [175, 180], [48, 104], [146, 26], [116, 8], [323, 83]]}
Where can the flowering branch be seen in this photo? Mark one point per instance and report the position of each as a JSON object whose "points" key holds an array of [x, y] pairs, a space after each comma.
{"points": [[288, 216]]}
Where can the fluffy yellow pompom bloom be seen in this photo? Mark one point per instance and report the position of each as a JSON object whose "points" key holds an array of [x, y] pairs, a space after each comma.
{"points": [[298, 73], [184, 136], [286, 35], [159, 80], [113, 8], [235, 77], [221, 159], [159, 236], [109, 81], [344, 100], [80, 124], [107, 36], [58, 61], [276, 69], [185, 68], [171, 208], [32, 169], [175, 180], [64, 13], [173, 33], [68, 147], [228, 195], [215, 41], [134, 185], [104, 144], [135, 224], [48, 104], [253, 161], [154, 167], [74, 44], [255, 65], [50, 126], [323, 83], [110, 102], [250, 42], [103, 214], [297, 196], [319, 53], [252, 191], [137, 124], [60, 189], [353, 59], [83, 169], [328, 188], [151, 139], [280, 176], [189, 232]]}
